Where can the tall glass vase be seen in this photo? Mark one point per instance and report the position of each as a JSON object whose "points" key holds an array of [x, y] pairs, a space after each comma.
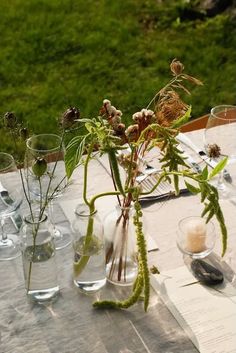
{"points": [[89, 253], [121, 248], [47, 148], [38, 256]]}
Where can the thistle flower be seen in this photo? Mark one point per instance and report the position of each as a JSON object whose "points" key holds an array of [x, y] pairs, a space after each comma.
{"points": [[213, 150]]}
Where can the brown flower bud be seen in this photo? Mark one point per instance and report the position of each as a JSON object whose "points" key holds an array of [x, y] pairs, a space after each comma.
{"points": [[10, 120], [132, 132], [70, 116], [120, 128], [176, 67]]}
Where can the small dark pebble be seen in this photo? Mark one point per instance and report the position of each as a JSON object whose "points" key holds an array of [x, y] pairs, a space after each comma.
{"points": [[206, 273]]}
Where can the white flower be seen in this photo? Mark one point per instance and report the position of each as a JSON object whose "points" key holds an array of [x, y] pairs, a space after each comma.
{"points": [[106, 102]]}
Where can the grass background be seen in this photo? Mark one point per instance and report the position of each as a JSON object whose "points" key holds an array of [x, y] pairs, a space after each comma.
{"points": [[58, 53]]}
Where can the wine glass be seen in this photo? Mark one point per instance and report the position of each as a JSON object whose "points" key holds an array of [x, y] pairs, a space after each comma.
{"points": [[220, 142], [50, 148], [195, 237], [10, 201]]}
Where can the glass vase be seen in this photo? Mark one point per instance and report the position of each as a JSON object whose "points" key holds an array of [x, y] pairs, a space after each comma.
{"points": [[89, 253], [121, 247], [38, 256], [48, 148]]}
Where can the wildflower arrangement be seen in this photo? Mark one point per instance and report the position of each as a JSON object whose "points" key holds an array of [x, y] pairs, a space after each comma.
{"points": [[126, 147], [37, 171]]}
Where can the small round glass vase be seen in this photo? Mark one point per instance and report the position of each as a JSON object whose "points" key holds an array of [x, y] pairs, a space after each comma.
{"points": [[121, 248], [89, 253], [38, 256], [195, 237]]}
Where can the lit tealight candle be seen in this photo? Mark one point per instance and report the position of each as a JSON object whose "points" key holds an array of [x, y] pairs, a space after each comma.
{"points": [[196, 235]]}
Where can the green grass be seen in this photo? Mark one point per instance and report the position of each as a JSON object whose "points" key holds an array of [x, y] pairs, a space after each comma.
{"points": [[62, 52]]}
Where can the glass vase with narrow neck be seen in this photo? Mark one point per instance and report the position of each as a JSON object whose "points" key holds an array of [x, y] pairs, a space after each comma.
{"points": [[38, 256], [89, 253], [121, 247]]}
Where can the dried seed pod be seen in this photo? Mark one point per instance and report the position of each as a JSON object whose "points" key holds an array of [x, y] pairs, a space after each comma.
{"points": [[176, 67], [39, 167], [213, 150], [10, 120], [24, 133], [69, 117]]}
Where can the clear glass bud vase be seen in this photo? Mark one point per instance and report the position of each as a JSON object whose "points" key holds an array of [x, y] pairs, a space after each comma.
{"points": [[121, 248], [89, 252], [38, 256]]}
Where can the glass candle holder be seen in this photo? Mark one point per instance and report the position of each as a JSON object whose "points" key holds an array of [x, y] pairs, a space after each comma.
{"points": [[195, 237]]}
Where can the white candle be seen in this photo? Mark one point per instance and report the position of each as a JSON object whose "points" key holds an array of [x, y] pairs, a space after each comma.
{"points": [[196, 235]]}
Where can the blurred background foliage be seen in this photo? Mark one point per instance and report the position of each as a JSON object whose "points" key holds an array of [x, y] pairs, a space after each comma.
{"points": [[60, 53]]}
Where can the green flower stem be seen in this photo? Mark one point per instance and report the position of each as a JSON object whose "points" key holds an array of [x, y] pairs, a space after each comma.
{"points": [[79, 267], [163, 89], [94, 198], [90, 150], [162, 176], [130, 174]]}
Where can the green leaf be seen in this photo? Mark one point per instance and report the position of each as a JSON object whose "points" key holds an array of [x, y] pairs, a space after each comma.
{"points": [[218, 168], [205, 173], [203, 192], [89, 127], [191, 188], [207, 209], [74, 152], [182, 120]]}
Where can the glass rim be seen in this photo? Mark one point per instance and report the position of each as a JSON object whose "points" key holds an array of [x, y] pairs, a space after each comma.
{"points": [[36, 218], [81, 207], [60, 145], [196, 217], [221, 108], [11, 161]]}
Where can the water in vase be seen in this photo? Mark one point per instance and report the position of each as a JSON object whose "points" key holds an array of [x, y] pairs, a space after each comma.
{"points": [[40, 272], [91, 276]]}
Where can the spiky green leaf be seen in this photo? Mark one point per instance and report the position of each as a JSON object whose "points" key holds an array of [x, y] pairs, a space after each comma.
{"points": [[193, 189], [205, 173], [182, 120], [220, 166]]}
